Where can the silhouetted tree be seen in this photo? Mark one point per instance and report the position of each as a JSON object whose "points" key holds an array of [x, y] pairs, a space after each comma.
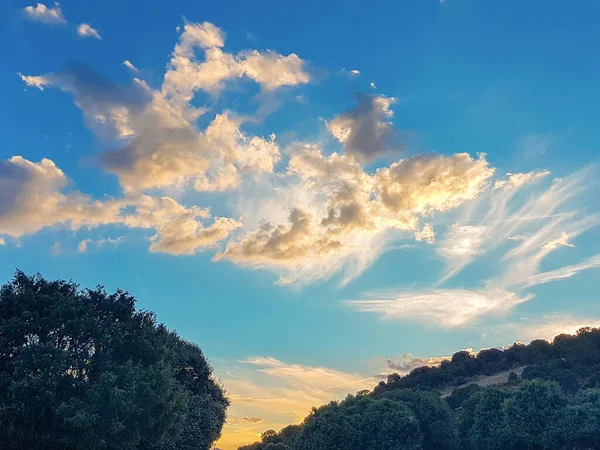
{"points": [[82, 369]]}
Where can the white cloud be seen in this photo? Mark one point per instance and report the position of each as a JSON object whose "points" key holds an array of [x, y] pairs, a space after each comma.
{"points": [[564, 272], [445, 307], [35, 196], [276, 393], [86, 244], [372, 85], [340, 215], [546, 326], [516, 180], [130, 66], [541, 222], [355, 72], [41, 13], [39, 82], [186, 75], [86, 30], [405, 363], [158, 143], [366, 131]]}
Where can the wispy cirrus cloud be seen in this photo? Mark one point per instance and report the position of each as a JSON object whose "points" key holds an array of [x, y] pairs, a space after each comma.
{"points": [[546, 326], [564, 272], [443, 307], [538, 220], [278, 393]]}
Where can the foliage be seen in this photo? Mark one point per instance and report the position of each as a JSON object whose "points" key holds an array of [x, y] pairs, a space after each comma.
{"points": [[83, 369], [554, 405]]}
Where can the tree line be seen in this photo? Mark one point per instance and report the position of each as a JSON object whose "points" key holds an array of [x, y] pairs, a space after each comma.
{"points": [[84, 369], [555, 404]]}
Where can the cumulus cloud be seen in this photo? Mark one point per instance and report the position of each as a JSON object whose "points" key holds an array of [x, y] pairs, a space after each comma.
{"points": [[158, 144], [41, 13], [367, 131], [186, 74], [86, 30], [516, 180], [347, 212], [36, 196], [426, 234], [445, 307]]}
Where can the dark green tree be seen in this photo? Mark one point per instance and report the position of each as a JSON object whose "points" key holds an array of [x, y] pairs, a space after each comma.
{"points": [[82, 369], [532, 414], [481, 419]]}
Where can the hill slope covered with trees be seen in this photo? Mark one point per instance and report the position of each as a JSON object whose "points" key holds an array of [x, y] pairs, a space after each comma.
{"points": [[555, 404]]}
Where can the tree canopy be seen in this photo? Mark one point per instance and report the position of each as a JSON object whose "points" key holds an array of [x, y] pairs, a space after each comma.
{"points": [[83, 369], [555, 405]]}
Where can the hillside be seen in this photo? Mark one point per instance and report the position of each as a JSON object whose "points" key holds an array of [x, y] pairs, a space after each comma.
{"points": [[485, 380], [544, 395]]}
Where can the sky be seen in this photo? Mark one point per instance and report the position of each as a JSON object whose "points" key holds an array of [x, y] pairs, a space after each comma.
{"points": [[317, 193]]}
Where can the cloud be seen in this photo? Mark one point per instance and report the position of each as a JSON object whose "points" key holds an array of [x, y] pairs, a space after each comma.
{"points": [[35, 196], [2, 241], [85, 244], [564, 272], [55, 250], [426, 234], [355, 72], [186, 75], [86, 30], [157, 143], [516, 180], [130, 66], [546, 326], [345, 213], [445, 307], [41, 13], [366, 131], [406, 362], [280, 393], [540, 221], [372, 85]]}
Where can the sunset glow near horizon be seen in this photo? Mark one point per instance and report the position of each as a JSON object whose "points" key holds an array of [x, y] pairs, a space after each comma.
{"points": [[316, 195]]}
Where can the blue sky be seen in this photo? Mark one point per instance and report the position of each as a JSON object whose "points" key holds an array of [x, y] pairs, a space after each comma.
{"points": [[318, 193]]}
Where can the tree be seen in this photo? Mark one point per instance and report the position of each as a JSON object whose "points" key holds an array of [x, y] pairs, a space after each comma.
{"points": [[82, 369], [481, 419], [532, 414], [361, 423]]}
